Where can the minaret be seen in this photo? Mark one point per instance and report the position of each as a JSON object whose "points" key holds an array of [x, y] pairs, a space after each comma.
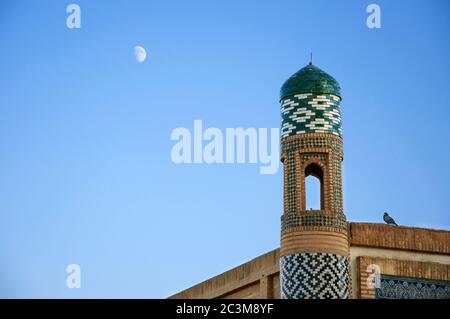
{"points": [[314, 254]]}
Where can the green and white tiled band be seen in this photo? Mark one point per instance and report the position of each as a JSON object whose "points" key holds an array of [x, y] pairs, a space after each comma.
{"points": [[311, 113]]}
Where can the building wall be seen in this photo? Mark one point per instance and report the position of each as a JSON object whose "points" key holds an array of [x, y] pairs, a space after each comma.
{"points": [[406, 252], [403, 256], [258, 278]]}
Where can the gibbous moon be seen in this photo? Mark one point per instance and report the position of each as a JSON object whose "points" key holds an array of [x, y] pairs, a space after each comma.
{"points": [[140, 53]]}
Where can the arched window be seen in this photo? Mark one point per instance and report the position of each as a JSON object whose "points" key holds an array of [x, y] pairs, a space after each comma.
{"points": [[314, 187]]}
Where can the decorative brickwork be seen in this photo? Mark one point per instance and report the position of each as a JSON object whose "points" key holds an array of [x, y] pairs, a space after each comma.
{"points": [[312, 218], [414, 270], [314, 258], [260, 278], [323, 150], [314, 243], [309, 240], [290, 182], [403, 238], [311, 142]]}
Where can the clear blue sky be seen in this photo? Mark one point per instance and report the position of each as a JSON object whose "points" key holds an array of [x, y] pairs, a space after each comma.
{"points": [[85, 170]]}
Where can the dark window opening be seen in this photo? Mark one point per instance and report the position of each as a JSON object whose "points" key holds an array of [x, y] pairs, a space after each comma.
{"points": [[314, 187]]}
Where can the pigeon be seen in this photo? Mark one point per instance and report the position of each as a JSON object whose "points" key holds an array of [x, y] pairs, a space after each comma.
{"points": [[389, 220]]}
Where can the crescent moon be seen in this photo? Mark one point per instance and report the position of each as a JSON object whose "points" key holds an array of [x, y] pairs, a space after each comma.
{"points": [[140, 53]]}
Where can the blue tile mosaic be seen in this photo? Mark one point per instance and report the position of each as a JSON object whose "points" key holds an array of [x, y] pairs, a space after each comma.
{"points": [[411, 288]]}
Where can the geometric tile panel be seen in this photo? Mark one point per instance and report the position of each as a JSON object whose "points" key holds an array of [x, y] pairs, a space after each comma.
{"points": [[311, 113], [393, 287], [314, 276]]}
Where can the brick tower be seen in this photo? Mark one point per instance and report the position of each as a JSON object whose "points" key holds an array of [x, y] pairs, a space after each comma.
{"points": [[314, 255]]}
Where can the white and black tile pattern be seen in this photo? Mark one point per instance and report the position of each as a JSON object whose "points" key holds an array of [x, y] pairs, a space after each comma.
{"points": [[314, 276]]}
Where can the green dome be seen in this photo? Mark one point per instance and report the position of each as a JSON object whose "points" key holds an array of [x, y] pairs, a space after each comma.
{"points": [[310, 79]]}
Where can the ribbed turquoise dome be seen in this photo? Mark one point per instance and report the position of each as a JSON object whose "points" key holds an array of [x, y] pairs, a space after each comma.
{"points": [[310, 79]]}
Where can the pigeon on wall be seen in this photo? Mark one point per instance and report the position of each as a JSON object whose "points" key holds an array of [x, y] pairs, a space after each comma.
{"points": [[389, 220]]}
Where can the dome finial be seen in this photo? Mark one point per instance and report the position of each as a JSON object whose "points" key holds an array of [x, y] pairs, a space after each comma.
{"points": [[310, 60]]}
